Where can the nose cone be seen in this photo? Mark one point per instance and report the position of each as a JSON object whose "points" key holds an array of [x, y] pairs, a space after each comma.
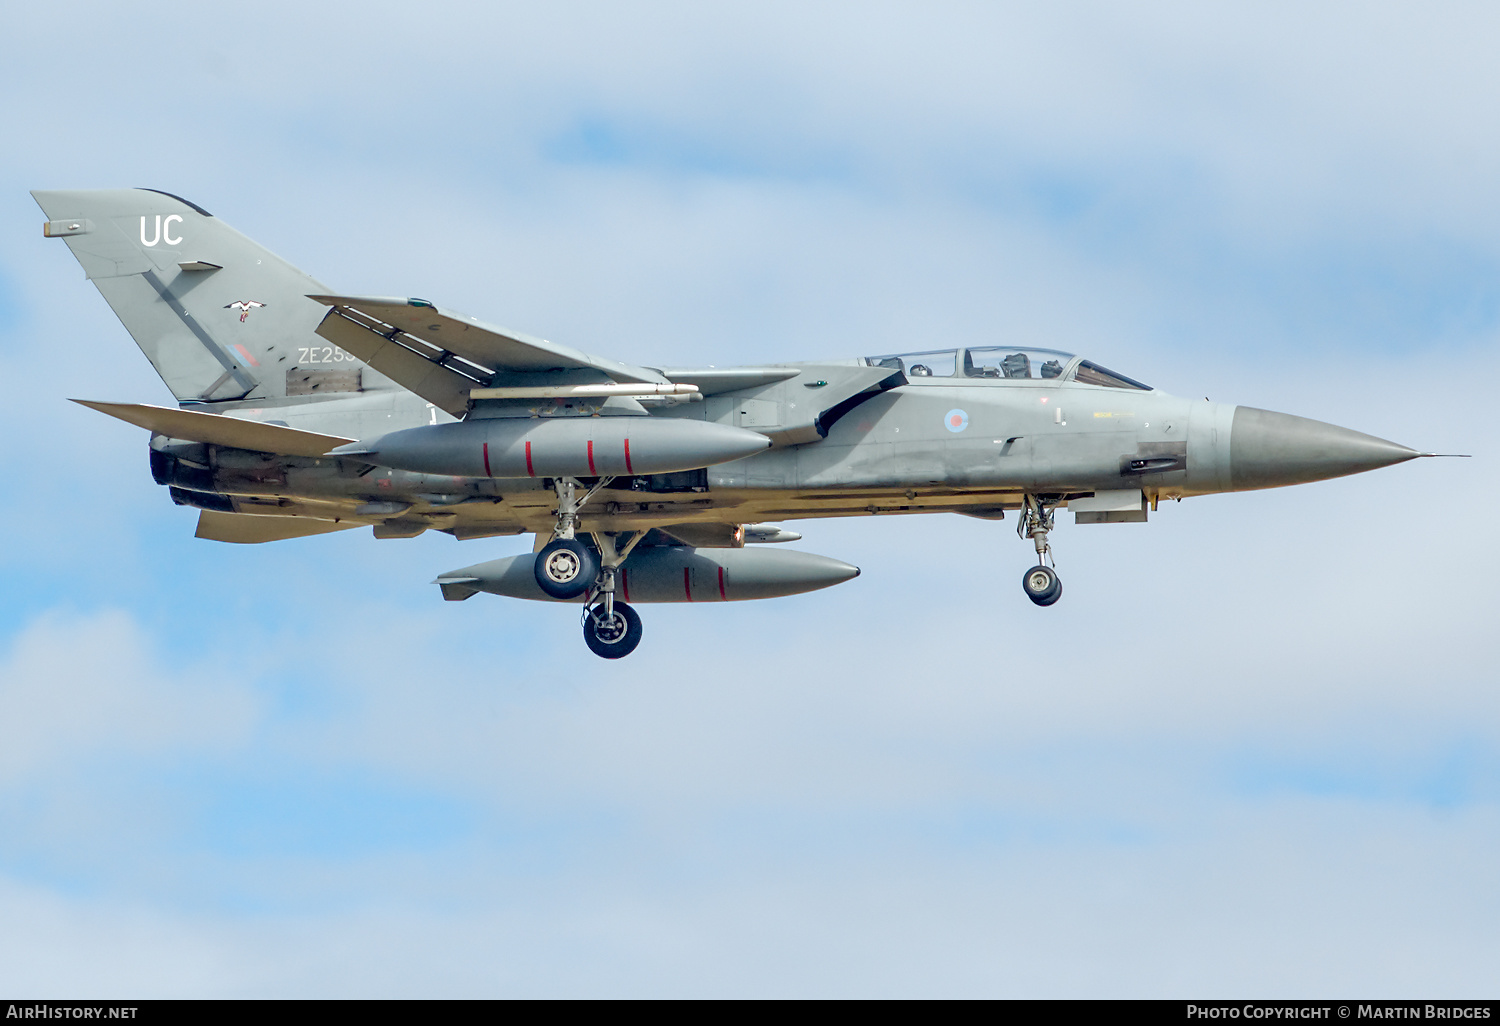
{"points": [[1267, 450]]}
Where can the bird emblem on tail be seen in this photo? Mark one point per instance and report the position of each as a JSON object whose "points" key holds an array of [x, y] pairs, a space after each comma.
{"points": [[244, 306]]}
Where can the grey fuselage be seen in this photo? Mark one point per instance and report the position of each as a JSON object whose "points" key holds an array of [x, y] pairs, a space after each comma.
{"points": [[235, 330], [928, 444]]}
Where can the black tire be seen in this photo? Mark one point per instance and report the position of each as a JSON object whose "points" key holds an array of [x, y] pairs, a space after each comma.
{"points": [[566, 568], [1042, 585], [615, 639]]}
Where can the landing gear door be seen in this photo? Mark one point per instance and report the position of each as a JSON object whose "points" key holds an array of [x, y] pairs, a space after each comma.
{"points": [[1116, 506]]}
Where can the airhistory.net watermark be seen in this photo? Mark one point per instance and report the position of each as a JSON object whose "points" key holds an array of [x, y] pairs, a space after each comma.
{"points": [[46, 1010]]}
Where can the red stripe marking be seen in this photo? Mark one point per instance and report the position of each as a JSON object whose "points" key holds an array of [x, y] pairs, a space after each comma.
{"points": [[723, 597], [528, 460], [628, 468], [625, 584], [487, 460], [591, 456], [687, 582]]}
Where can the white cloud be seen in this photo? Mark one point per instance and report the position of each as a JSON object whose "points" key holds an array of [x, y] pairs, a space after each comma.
{"points": [[1284, 898], [55, 945], [81, 691]]}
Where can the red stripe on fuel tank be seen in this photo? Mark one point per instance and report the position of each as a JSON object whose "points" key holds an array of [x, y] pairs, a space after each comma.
{"points": [[625, 584], [628, 468], [722, 596], [687, 582], [528, 460], [591, 456], [487, 460]]}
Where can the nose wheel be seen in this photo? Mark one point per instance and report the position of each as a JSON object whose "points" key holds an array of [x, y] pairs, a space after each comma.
{"points": [[1041, 583]]}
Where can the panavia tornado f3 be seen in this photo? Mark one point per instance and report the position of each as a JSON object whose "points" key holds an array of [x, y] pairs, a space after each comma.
{"points": [[301, 412]]}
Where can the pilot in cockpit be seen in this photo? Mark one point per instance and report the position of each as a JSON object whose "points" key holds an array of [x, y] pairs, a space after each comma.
{"points": [[921, 370]]}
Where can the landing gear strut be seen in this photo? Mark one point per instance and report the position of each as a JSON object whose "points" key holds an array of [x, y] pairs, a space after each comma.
{"points": [[1041, 582], [566, 568], [611, 629]]}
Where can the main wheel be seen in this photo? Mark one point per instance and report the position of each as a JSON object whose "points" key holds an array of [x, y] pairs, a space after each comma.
{"points": [[1042, 585], [566, 568], [612, 638]]}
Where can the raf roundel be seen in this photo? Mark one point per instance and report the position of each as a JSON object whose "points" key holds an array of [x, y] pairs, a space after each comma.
{"points": [[956, 420]]}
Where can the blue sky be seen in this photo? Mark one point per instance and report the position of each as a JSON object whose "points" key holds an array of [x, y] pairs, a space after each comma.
{"points": [[1255, 750]]}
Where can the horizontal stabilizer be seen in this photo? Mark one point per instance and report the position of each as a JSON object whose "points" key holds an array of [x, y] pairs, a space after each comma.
{"points": [[440, 354], [216, 429], [248, 529]]}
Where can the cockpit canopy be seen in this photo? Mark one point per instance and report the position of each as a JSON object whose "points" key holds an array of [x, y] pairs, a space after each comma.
{"points": [[1004, 362]]}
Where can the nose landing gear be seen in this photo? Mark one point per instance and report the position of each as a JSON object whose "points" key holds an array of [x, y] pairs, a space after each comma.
{"points": [[1041, 583]]}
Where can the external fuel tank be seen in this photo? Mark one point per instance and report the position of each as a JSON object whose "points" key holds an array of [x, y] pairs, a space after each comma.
{"points": [[514, 447], [669, 574]]}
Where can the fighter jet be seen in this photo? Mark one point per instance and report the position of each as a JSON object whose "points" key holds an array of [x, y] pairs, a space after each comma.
{"points": [[300, 411]]}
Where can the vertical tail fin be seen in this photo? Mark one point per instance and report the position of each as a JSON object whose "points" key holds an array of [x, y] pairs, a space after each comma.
{"points": [[218, 316]]}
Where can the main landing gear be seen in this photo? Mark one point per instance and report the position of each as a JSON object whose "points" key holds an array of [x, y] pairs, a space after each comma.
{"points": [[1041, 583], [566, 568], [611, 629], [611, 633]]}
